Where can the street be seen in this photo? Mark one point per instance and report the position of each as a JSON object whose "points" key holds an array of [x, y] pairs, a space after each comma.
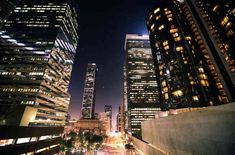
{"points": [[115, 145]]}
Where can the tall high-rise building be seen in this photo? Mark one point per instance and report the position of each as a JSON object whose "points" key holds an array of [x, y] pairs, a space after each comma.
{"points": [[186, 73], [37, 46], [141, 86], [108, 110], [88, 102], [216, 21], [120, 119], [126, 112]]}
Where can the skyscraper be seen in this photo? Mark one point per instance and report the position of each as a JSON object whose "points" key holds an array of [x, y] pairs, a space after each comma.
{"points": [[126, 112], [141, 86], [186, 73], [37, 45], [216, 22], [88, 102], [120, 120], [108, 110]]}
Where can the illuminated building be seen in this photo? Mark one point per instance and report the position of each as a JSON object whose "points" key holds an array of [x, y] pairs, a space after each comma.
{"points": [[105, 122], [120, 121], [108, 110], [141, 86], [216, 21], [186, 73], [37, 46], [93, 125], [88, 102], [126, 112]]}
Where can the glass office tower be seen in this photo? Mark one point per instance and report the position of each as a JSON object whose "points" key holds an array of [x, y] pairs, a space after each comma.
{"points": [[186, 73], [216, 21], [142, 93], [88, 102], [37, 46]]}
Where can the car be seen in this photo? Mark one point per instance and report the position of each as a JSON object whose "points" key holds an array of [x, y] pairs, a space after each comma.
{"points": [[129, 146]]}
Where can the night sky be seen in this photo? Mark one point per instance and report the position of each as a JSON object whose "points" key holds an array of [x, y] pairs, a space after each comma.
{"points": [[103, 26]]}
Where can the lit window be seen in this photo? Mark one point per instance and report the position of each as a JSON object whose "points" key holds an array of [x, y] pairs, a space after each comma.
{"points": [[165, 43], [4, 142], [152, 27], [201, 70], [159, 16], [169, 19], [230, 33], [164, 83], [161, 27], [204, 83], [224, 21], [195, 98], [177, 93], [166, 96], [233, 11], [156, 10], [179, 48], [22, 140], [215, 8], [177, 38]]}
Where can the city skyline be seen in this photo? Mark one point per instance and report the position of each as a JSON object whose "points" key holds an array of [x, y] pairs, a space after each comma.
{"points": [[117, 77], [107, 34]]}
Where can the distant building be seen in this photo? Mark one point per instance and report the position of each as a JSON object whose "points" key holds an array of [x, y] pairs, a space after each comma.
{"points": [[88, 102], [108, 110], [92, 125], [194, 65], [96, 115], [120, 119], [105, 121], [140, 87], [37, 53]]}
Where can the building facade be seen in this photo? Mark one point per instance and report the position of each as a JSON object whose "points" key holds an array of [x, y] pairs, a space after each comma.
{"points": [[141, 86], [37, 45], [186, 73], [216, 21], [108, 110], [88, 102], [6, 7], [105, 122], [120, 120]]}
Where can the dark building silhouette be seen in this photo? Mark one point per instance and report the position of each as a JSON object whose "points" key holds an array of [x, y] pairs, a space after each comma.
{"points": [[216, 22], [186, 71]]}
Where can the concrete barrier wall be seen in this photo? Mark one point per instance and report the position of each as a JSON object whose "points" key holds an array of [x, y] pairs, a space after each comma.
{"points": [[210, 131], [146, 148]]}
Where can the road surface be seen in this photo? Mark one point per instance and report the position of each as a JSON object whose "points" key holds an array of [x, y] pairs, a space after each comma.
{"points": [[115, 145]]}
